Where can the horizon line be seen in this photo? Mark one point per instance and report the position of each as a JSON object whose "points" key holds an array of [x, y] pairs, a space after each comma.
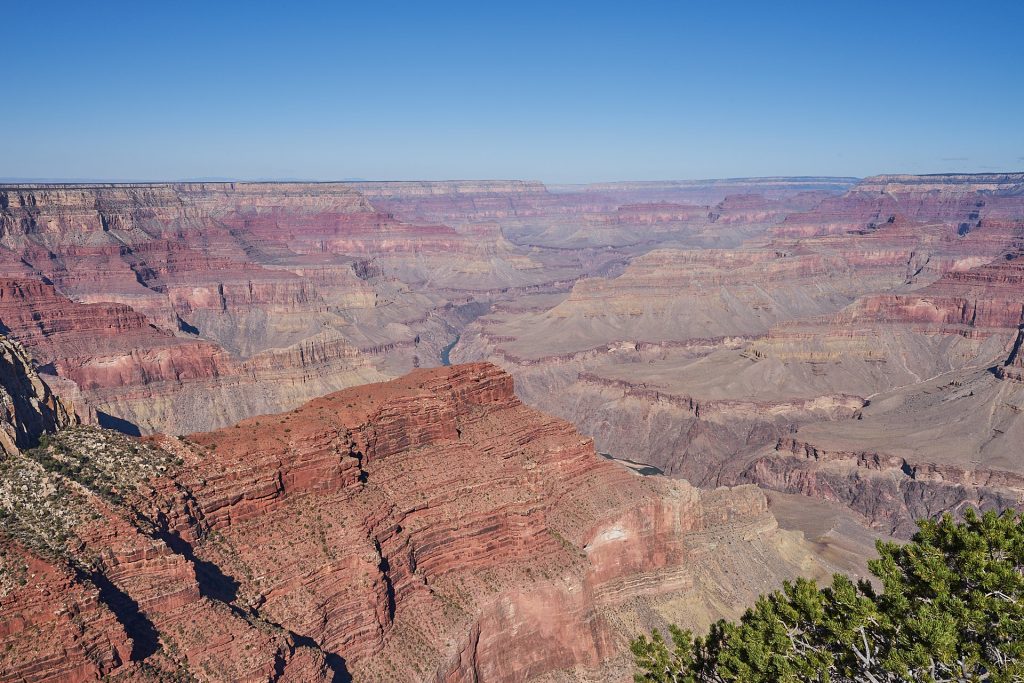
{"points": [[19, 181]]}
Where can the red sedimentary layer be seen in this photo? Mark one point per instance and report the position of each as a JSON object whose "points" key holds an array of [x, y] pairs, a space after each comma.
{"points": [[100, 345], [424, 529], [900, 279], [110, 285], [58, 629], [888, 490], [985, 298]]}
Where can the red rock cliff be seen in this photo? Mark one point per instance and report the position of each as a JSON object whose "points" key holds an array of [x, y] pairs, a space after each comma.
{"points": [[423, 529]]}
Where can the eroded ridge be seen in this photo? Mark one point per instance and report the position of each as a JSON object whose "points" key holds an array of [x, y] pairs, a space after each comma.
{"points": [[422, 528]]}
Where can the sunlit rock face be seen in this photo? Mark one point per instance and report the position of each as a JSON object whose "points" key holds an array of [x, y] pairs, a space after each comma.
{"points": [[421, 529], [855, 342], [706, 362], [28, 408], [177, 307], [853, 349]]}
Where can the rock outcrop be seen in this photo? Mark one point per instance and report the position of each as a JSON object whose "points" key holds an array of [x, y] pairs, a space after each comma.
{"points": [[429, 528], [1013, 368], [28, 409]]}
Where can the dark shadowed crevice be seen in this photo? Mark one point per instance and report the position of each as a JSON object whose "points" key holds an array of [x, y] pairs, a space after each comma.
{"points": [[216, 585], [213, 582], [145, 638], [185, 326], [385, 570], [279, 665], [1018, 346], [335, 662]]}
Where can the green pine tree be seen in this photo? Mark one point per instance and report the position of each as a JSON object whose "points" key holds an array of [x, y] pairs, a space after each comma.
{"points": [[950, 609]]}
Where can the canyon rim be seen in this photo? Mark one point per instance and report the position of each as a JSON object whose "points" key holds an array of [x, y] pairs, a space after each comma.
{"points": [[479, 342], [236, 449]]}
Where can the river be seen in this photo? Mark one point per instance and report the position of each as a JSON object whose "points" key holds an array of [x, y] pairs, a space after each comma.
{"points": [[446, 352]]}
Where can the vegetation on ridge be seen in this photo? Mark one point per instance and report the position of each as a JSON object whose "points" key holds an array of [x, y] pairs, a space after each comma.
{"points": [[951, 608], [43, 491]]}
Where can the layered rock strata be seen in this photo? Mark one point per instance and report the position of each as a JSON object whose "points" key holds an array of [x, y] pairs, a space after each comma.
{"points": [[430, 528], [28, 408], [187, 306], [698, 360]]}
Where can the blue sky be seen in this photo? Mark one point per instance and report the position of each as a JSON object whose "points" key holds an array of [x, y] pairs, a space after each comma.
{"points": [[561, 92]]}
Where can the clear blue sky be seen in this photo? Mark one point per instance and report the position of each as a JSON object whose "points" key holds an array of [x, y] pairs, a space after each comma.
{"points": [[557, 91]]}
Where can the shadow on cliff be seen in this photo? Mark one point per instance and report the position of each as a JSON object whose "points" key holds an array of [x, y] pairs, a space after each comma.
{"points": [[118, 424], [213, 582], [145, 638], [216, 585], [335, 662]]}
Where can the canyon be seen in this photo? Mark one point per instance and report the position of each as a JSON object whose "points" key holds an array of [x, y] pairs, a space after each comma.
{"points": [[180, 307], [480, 430], [428, 528], [864, 351], [702, 327]]}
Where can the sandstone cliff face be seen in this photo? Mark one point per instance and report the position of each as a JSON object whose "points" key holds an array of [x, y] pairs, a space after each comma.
{"points": [[28, 409], [55, 628], [430, 528], [119, 363]]}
